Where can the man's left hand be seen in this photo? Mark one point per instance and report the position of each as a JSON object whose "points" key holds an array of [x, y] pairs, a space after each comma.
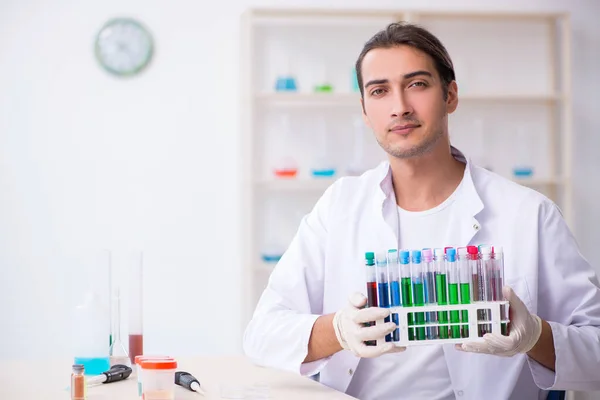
{"points": [[525, 331]]}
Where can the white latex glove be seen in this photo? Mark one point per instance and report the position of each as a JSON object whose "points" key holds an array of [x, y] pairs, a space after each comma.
{"points": [[524, 333], [351, 334]]}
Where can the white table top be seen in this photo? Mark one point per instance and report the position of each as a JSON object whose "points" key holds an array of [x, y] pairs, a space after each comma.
{"points": [[49, 380]]}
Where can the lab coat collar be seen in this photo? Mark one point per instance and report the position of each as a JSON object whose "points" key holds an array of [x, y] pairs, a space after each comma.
{"points": [[472, 202]]}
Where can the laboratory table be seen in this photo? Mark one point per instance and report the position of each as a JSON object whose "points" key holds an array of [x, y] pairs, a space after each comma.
{"points": [[49, 380]]}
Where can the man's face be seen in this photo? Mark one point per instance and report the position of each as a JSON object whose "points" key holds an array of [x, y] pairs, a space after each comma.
{"points": [[404, 101]]}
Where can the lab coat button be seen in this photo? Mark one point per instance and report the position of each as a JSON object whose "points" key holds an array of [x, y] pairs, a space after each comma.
{"points": [[476, 227], [460, 393], [350, 372]]}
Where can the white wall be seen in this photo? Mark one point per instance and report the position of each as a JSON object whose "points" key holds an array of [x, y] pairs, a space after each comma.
{"points": [[90, 161]]}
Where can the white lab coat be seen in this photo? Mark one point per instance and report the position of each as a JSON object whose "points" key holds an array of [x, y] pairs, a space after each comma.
{"points": [[324, 265]]}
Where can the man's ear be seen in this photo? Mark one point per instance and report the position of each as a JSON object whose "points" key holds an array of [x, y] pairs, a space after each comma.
{"points": [[452, 98]]}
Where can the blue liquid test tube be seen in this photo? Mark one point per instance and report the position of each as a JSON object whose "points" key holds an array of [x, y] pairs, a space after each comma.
{"points": [[429, 289], [394, 271], [383, 287], [418, 292], [406, 289]]}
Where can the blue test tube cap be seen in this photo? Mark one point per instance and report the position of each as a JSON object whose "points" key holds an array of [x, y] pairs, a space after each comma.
{"points": [[416, 256], [369, 258], [451, 254], [404, 257]]}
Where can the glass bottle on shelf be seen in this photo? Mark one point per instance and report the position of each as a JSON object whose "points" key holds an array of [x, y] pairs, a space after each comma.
{"points": [[323, 166], [286, 165], [354, 80], [357, 164], [323, 84], [523, 167], [480, 149], [272, 248], [285, 81]]}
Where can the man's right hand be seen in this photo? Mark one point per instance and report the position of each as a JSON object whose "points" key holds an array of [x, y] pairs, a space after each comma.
{"points": [[351, 333]]}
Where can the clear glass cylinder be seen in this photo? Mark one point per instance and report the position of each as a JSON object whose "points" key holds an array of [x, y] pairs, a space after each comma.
{"points": [[136, 309], [91, 333]]}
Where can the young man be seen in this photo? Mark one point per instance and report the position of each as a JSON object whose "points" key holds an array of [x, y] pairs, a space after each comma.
{"points": [[427, 195]]}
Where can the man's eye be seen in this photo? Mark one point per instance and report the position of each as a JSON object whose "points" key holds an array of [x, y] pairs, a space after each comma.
{"points": [[377, 92], [422, 84]]}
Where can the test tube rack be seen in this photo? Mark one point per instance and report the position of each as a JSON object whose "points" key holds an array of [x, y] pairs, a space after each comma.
{"points": [[495, 308]]}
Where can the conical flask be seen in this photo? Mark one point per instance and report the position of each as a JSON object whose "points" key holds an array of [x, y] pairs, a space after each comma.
{"points": [[118, 353]]}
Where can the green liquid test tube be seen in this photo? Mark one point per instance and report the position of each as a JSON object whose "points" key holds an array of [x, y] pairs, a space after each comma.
{"points": [[453, 280], [418, 292], [441, 290]]}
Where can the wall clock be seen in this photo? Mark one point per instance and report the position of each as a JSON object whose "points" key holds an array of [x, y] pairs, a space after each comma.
{"points": [[124, 47]]}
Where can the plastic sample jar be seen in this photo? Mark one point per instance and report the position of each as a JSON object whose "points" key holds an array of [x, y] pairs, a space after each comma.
{"points": [[137, 368], [158, 379]]}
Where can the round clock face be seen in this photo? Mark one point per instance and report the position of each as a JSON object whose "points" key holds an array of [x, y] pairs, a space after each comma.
{"points": [[124, 47]]}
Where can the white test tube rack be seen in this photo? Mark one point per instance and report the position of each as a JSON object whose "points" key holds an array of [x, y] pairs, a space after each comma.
{"points": [[473, 323]]}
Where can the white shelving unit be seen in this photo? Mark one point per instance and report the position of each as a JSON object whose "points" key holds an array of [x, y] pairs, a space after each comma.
{"points": [[513, 74]]}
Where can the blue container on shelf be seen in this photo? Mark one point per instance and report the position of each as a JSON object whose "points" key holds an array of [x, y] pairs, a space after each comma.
{"points": [[523, 172], [323, 173], [355, 87], [286, 84]]}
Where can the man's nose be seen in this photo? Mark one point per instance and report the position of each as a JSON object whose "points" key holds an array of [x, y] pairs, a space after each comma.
{"points": [[400, 106]]}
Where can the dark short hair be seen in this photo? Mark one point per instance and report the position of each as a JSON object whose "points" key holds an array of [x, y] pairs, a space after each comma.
{"points": [[403, 33]]}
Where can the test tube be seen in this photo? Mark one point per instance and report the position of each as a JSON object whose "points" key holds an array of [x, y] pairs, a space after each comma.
{"points": [[430, 294], [453, 279], [383, 287], [418, 292], [498, 262], [394, 272], [465, 285], [481, 274], [405, 283], [371, 288], [487, 289], [136, 332], [441, 290]]}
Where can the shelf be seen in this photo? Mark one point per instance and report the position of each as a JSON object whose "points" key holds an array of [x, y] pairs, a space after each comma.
{"points": [[325, 19], [500, 97], [537, 182], [313, 185], [296, 184], [301, 99]]}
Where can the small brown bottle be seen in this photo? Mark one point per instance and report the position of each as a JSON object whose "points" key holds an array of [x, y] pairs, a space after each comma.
{"points": [[77, 383]]}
